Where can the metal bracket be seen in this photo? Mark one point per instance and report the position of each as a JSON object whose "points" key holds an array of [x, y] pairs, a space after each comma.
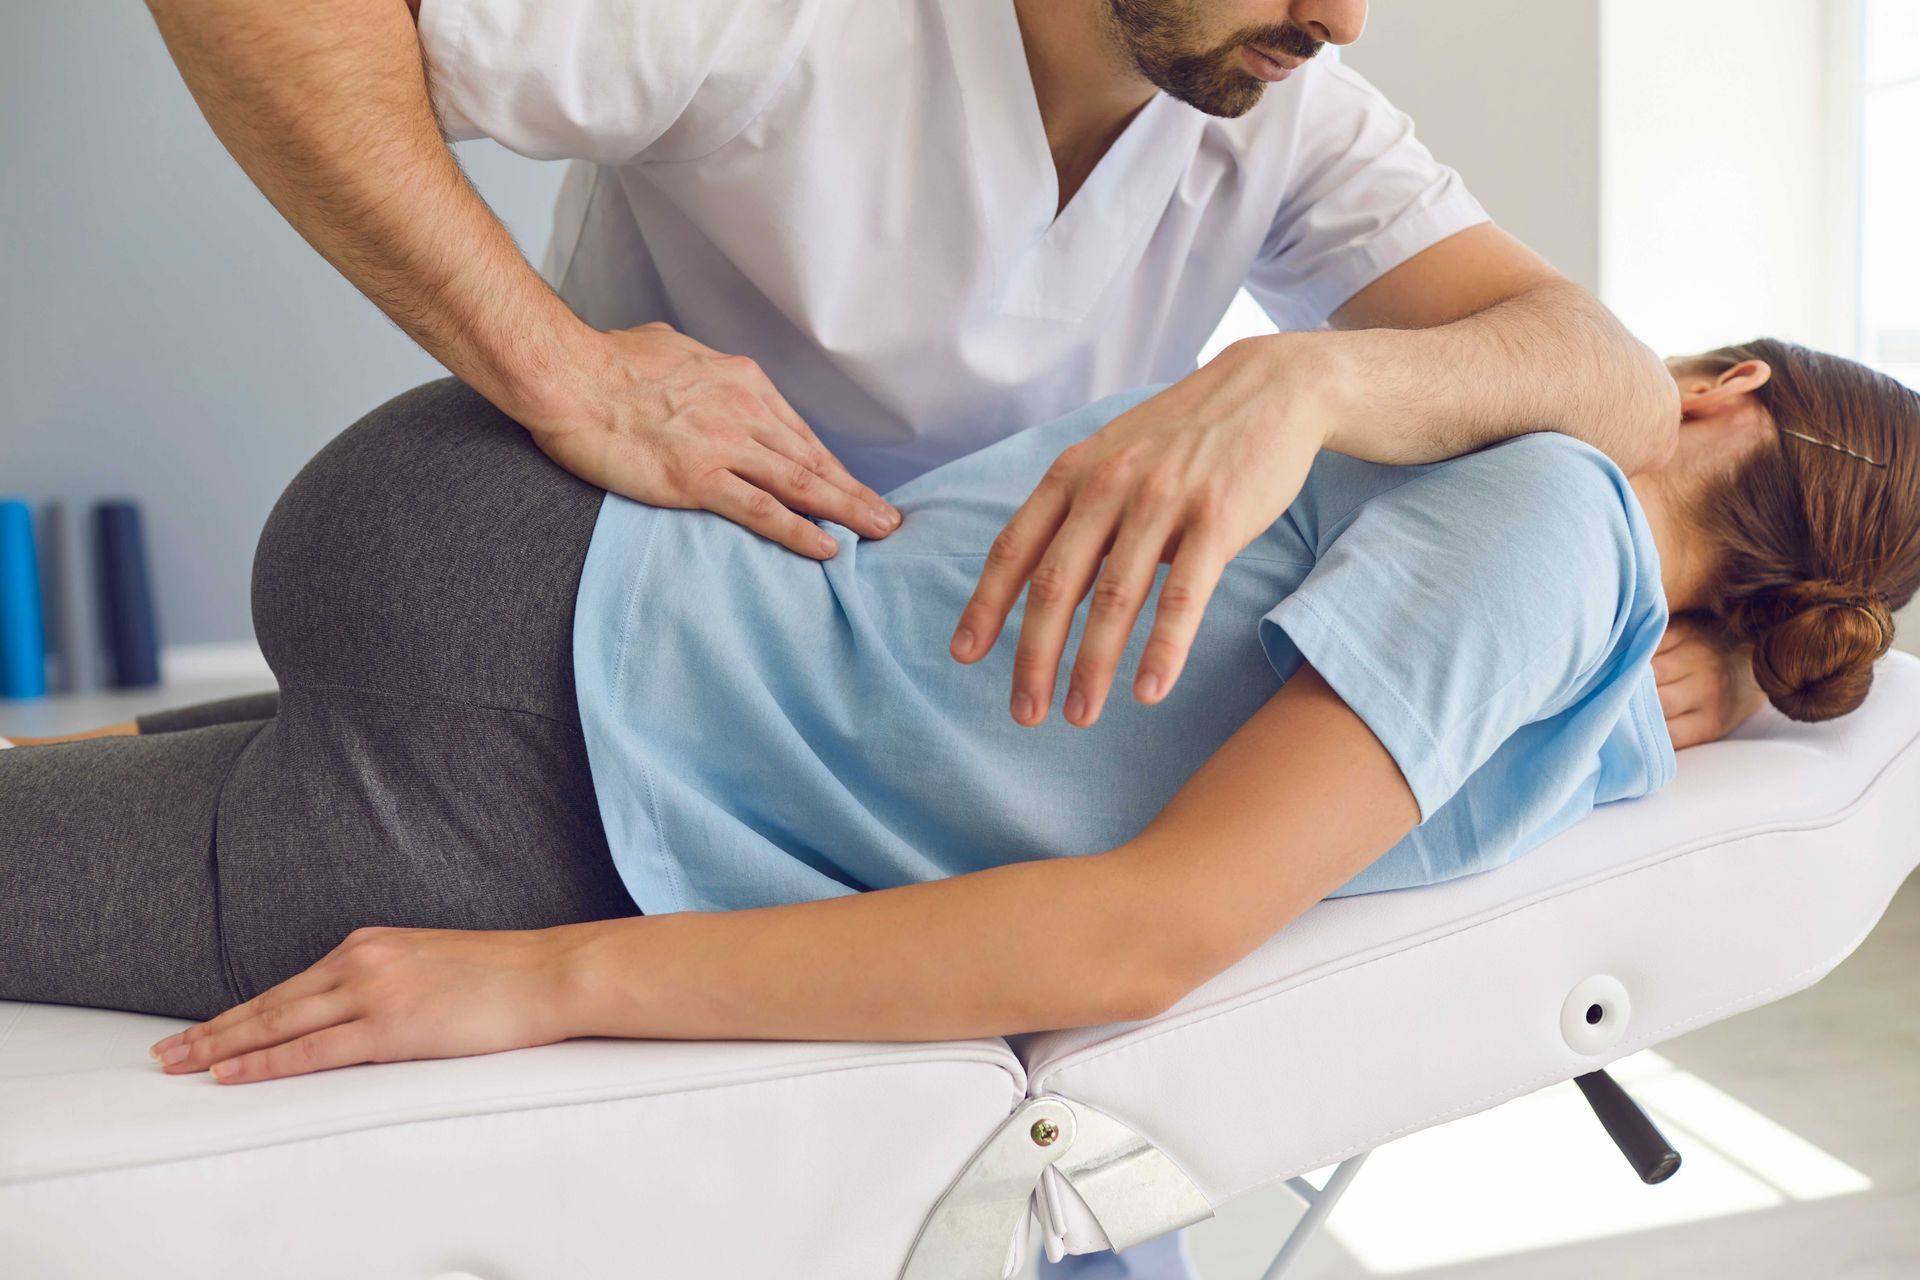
{"points": [[1132, 1188]]}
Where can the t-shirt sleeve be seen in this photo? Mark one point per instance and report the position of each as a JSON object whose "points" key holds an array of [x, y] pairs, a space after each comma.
{"points": [[1476, 598], [1365, 195], [611, 81]]}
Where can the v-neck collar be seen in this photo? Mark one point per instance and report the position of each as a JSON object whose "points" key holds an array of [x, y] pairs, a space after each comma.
{"points": [[1050, 266]]}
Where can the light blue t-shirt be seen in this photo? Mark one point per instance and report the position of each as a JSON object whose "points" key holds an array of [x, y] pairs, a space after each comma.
{"points": [[764, 728]]}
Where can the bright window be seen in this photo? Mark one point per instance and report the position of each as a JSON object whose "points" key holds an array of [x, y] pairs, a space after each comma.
{"points": [[1890, 189]]}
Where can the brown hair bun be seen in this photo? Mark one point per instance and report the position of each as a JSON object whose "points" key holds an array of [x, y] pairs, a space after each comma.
{"points": [[1814, 645]]}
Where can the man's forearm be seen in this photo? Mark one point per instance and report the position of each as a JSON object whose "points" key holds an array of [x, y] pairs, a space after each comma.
{"points": [[324, 104], [1028, 946], [1550, 359]]}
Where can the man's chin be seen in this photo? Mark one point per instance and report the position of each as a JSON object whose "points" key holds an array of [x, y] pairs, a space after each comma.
{"points": [[1227, 101]]}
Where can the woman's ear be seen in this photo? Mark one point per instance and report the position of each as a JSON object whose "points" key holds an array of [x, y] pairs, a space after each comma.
{"points": [[1706, 396]]}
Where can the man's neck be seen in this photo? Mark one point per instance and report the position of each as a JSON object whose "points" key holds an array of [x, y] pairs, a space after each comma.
{"points": [[1086, 89]]}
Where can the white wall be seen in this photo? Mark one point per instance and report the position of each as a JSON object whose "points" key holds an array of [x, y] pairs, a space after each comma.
{"points": [[1507, 92], [1718, 212]]}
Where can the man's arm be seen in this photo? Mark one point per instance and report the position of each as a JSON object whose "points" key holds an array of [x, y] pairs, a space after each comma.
{"points": [[1495, 344], [1297, 802], [1477, 338], [324, 103]]}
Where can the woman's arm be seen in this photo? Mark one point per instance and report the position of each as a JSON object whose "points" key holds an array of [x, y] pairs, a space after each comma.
{"points": [[1299, 800]]}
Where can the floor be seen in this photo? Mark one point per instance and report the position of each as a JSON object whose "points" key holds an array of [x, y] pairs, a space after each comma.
{"points": [[1799, 1124]]}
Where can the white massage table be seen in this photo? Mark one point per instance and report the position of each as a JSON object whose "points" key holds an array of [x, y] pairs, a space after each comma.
{"points": [[1762, 866]]}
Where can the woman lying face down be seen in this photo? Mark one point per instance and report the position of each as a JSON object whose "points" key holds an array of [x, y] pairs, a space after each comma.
{"points": [[513, 709], [1790, 515]]}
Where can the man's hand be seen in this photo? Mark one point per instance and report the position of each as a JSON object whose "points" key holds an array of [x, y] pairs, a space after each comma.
{"points": [[1705, 690], [324, 103], [388, 995], [1191, 476], [655, 416]]}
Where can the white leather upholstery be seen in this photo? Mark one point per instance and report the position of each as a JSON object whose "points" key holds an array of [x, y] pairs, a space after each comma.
{"points": [[579, 1160], [1754, 873], [1759, 869]]}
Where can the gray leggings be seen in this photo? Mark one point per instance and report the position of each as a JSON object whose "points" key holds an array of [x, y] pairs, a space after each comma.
{"points": [[422, 765]]}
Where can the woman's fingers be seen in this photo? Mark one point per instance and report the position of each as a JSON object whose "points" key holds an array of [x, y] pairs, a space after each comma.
{"points": [[274, 1024], [1692, 729], [309, 981], [1119, 594], [1685, 694], [340, 1044]]}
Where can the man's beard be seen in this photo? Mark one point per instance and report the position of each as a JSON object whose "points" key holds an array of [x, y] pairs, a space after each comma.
{"points": [[1160, 36]]}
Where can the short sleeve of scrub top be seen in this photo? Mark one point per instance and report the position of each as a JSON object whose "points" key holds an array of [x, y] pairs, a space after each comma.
{"points": [[1491, 620], [1365, 196], [612, 81]]}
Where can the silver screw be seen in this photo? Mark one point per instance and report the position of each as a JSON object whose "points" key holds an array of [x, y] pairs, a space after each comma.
{"points": [[1045, 1132]]}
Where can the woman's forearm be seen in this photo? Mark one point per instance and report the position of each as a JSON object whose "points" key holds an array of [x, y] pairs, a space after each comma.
{"points": [[1294, 804], [1028, 946]]}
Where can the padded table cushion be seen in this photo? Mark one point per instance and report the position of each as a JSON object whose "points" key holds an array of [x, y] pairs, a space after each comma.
{"points": [[1755, 872], [1750, 876], [573, 1161]]}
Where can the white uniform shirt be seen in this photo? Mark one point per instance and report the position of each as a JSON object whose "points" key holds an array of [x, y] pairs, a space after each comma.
{"points": [[858, 194]]}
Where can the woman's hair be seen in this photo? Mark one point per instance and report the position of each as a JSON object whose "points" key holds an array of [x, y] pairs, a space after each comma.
{"points": [[1820, 538]]}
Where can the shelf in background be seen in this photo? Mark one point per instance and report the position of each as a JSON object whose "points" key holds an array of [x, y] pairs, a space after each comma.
{"points": [[190, 673]]}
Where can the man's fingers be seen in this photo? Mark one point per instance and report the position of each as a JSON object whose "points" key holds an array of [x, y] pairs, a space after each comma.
{"points": [[838, 497], [1190, 581], [833, 469], [752, 507], [341, 1045], [1119, 594], [1054, 591], [1015, 551]]}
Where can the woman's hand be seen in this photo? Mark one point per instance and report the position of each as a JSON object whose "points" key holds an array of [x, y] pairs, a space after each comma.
{"points": [[652, 415], [1705, 690], [1192, 476], [387, 995]]}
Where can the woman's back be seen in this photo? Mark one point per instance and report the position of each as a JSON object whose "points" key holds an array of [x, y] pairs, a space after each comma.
{"points": [[765, 728]]}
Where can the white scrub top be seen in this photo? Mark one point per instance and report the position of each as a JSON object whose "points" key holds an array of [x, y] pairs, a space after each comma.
{"points": [[858, 194]]}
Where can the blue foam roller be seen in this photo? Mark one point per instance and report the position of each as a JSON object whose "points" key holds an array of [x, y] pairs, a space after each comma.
{"points": [[23, 646], [127, 629]]}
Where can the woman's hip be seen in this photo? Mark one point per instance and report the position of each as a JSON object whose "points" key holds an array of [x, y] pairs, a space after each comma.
{"points": [[432, 550]]}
